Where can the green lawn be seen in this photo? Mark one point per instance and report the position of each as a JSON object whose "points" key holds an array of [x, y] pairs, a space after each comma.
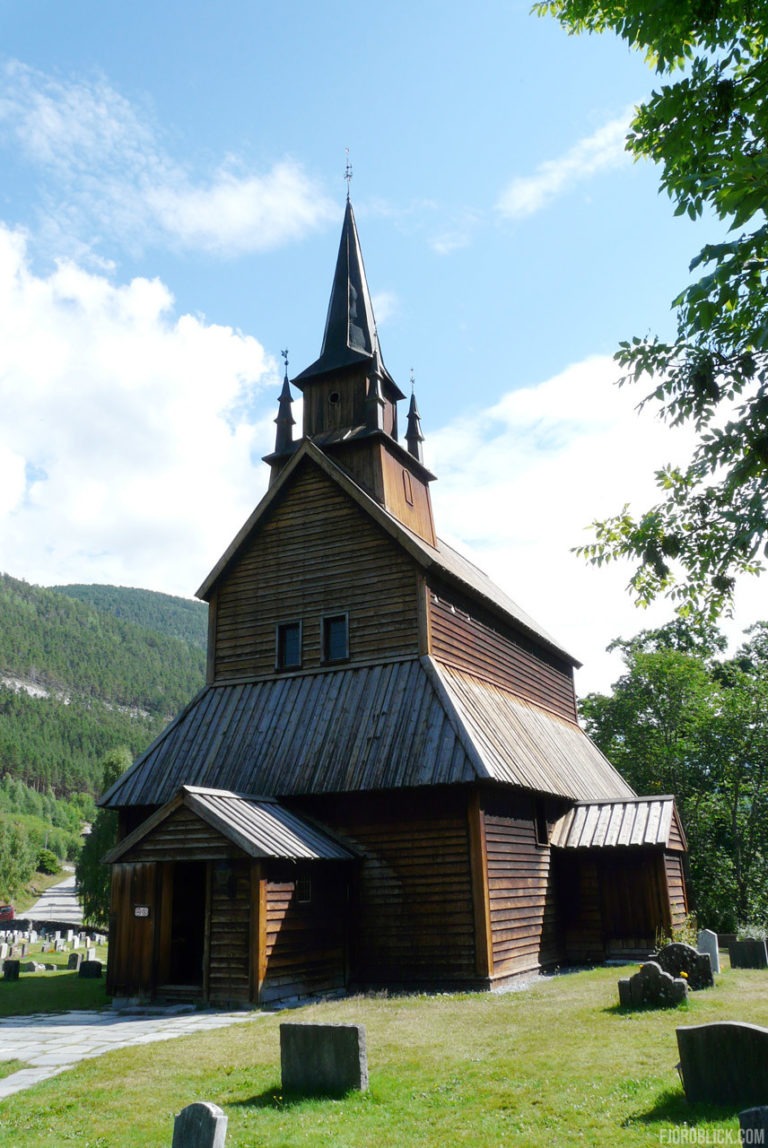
{"points": [[556, 1064], [58, 991]]}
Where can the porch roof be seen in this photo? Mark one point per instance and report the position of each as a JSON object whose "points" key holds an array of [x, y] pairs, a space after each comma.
{"points": [[257, 825], [610, 824]]}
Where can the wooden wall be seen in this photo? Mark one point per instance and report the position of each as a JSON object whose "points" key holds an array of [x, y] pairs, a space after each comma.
{"points": [[228, 973], [412, 907], [676, 891], [130, 966], [315, 553], [304, 942], [523, 905], [464, 635]]}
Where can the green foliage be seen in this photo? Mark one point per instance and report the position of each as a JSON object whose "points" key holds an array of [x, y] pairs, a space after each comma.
{"points": [[17, 858], [47, 862], [174, 617], [708, 131], [751, 933], [92, 875], [686, 722]]}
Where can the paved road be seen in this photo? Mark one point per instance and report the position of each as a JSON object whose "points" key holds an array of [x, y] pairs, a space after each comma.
{"points": [[59, 903], [51, 1043]]}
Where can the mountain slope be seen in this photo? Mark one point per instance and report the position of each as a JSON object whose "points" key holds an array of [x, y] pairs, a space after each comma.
{"points": [[182, 618]]}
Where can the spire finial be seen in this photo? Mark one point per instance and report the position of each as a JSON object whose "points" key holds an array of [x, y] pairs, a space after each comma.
{"points": [[348, 172], [413, 382], [284, 355]]}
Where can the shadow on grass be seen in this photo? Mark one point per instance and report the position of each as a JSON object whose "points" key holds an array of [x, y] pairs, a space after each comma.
{"points": [[277, 1100], [626, 1010], [672, 1108]]}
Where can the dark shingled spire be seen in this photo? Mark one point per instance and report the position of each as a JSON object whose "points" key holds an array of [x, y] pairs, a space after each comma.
{"points": [[285, 420], [350, 328], [413, 436]]}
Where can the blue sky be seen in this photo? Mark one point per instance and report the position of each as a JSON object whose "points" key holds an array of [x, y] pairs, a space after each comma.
{"points": [[170, 206]]}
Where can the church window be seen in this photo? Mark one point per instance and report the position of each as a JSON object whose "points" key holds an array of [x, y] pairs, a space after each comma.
{"points": [[335, 638], [288, 652], [407, 488]]}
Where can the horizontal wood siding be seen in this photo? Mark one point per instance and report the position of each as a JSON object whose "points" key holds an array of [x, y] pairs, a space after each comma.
{"points": [[524, 921], [316, 553], [305, 943], [131, 938], [678, 900], [183, 836], [464, 636], [229, 948], [412, 908]]}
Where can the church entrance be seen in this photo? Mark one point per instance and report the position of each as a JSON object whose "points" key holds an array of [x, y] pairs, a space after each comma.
{"points": [[187, 924]]}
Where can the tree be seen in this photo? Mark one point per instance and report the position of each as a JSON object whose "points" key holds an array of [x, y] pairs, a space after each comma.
{"points": [[92, 875], [682, 720], [17, 858], [708, 130]]}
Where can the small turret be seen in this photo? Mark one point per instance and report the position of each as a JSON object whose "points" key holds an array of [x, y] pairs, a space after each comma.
{"points": [[413, 436]]}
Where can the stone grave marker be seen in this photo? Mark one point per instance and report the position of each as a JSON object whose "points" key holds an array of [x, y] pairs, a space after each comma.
{"points": [[3, 950], [90, 954], [652, 986], [200, 1125], [750, 954], [707, 943], [70, 935], [11, 970], [91, 969], [677, 959], [32, 967], [323, 1059], [74, 961], [725, 1062], [753, 1125]]}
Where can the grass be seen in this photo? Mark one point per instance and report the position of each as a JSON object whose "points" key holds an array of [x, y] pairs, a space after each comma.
{"points": [[559, 1063], [58, 991]]}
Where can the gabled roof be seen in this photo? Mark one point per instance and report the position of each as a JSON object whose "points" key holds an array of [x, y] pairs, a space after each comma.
{"points": [[613, 824], [350, 328], [442, 558], [258, 826], [395, 725]]}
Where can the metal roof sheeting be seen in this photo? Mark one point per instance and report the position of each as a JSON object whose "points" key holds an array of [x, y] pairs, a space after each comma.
{"points": [[402, 724], [611, 824]]}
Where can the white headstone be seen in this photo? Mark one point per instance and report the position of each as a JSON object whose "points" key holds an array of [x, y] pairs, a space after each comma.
{"points": [[3, 951], [707, 943], [90, 954]]}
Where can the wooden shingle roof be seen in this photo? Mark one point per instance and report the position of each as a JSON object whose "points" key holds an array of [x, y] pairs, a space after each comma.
{"points": [[400, 724], [260, 827], [612, 824]]}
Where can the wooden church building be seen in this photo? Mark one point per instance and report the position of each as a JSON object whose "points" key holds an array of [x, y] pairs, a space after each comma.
{"points": [[383, 782]]}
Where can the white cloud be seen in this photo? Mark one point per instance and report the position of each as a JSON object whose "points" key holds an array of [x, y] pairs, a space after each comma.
{"points": [[129, 434], [604, 149], [385, 305], [103, 170], [519, 484]]}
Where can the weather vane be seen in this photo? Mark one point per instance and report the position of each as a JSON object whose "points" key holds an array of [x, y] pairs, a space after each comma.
{"points": [[285, 359], [348, 172], [413, 381]]}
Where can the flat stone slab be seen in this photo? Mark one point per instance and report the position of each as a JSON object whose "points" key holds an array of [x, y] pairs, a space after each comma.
{"points": [[725, 1062], [748, 954], [323, 1059]]}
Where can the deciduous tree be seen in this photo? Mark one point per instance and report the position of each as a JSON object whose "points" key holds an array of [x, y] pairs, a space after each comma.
{"points": [[707, 128]]}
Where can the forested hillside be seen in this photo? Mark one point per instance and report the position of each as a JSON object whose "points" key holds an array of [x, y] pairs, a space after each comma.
{"points": [[76, 682], [85, 673], [182, 618]]}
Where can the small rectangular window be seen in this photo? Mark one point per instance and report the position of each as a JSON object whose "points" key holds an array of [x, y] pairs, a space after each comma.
{"points": [[542, 827], [407, 488], [335, 638], [303, 890], [288, 652]]}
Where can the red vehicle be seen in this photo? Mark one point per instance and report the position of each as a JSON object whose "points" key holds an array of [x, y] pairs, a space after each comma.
{"points": [[6, 913]]}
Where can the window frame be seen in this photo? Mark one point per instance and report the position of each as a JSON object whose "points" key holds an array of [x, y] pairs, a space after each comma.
{"points": [[325, 621], [282, 628]]}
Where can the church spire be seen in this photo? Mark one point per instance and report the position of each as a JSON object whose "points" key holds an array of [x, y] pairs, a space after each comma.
{"points": [[350, 328], [285, 420], [413, 435]]}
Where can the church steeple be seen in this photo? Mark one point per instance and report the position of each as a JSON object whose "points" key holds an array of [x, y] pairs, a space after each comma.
{"points": [[350, 401], [413, 436], [285, 421], [350, 335]]}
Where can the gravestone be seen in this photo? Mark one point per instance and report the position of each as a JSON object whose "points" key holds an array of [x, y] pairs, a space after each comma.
{"points": [[323, 1059], [725, 1062], [90, 954], [3, 951], [75, 960], [677, 959], [90, 969], [11, 970], [753, 1124], [652, 986], [70, 935], [707, 942], [748, 954], [32, 967], [200, 1125]]}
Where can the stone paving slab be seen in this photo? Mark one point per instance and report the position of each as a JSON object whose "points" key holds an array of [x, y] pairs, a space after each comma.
{"points": [[52, 1043]]}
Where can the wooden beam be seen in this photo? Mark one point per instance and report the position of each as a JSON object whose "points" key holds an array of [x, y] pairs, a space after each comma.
{"points": [[480, 893]]}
